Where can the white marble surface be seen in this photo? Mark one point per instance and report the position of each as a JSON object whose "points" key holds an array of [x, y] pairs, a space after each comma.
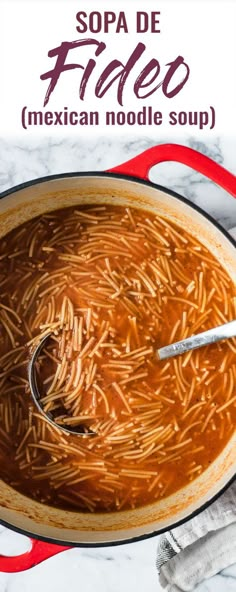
{"points": [[128, 568]]}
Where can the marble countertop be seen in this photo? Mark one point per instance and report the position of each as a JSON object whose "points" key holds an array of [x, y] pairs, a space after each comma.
{"points": [[128, 568]]}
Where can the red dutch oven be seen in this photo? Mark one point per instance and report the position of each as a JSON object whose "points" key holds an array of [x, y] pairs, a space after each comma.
{"points": [[54, 530]]}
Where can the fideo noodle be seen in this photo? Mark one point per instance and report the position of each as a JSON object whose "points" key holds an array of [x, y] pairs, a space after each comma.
{"points": [[111, 285]]}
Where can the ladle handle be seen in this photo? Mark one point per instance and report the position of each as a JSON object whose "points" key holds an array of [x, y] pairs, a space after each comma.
{"points": [[140, 165], [207, 337], [39, 552]]}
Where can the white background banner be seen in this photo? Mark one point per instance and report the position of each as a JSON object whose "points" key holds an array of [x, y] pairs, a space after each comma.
{"points": [[203, 33]]}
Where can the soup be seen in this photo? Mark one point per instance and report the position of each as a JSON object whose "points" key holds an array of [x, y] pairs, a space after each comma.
{"points": [[111, 285]]}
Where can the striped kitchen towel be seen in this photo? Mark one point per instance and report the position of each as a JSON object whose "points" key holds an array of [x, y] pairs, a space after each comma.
{"points": [[201, 547]]}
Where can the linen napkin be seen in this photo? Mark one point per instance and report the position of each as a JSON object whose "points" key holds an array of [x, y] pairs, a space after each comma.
{"points": [[201, 547]]}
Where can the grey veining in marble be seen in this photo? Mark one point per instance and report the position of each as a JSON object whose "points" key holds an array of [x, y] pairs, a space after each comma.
{"points": [[129, 568]]}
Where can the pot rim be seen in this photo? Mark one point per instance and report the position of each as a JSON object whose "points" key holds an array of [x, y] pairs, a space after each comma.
{"points": [[132, 178], [171, 192], [133, 539]]}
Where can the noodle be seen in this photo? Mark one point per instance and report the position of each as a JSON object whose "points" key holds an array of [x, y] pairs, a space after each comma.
{"points": [[111, 285]]}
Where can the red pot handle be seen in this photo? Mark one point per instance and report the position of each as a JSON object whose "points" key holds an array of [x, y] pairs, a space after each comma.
{"points": [[39, 552], [140, 165]]}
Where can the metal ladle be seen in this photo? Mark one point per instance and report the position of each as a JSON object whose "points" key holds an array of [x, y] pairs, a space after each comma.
{"points": [[226, 331], [78, 430]]}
